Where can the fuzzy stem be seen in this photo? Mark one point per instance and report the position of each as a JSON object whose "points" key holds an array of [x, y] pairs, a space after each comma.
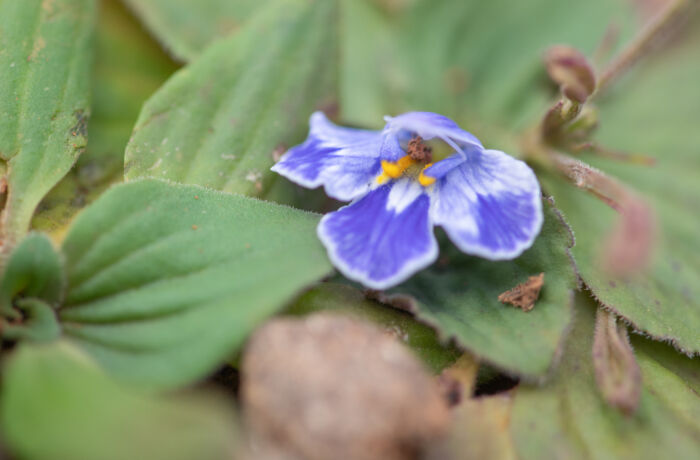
{"points": [[629, 245], [588, 178]]}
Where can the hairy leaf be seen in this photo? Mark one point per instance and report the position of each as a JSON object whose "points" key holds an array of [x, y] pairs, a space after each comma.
{"points": [[568, 418], [459, 295], [46, 59], [654, 112], [166, 281], [221, 121]]}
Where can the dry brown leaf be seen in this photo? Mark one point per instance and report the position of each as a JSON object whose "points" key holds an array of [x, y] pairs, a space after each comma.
{"points": [[524, 295]]}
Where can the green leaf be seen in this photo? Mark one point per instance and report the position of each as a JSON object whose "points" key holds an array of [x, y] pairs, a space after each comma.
{"points": [[38, 322], [166, 281], [481, 62], [32, 286], [674, 379], [459, 295], [653, 112], [369, 77], [423, 340], [129, 68], [34, 269], [58, 404], [220, 121], [185, 27], [46, 59], [567, 418]]}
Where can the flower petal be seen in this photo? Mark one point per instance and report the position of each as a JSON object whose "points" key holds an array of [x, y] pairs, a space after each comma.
{"points": [[489, 206], [442, 167], [391, 147], [384, 237], [430, 125], [343, 160]]}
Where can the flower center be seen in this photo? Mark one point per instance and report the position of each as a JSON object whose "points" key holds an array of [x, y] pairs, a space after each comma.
{"points": [[420, 157], [418, 151]]}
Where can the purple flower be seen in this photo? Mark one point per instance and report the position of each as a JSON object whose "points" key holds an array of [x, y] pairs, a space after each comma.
{"points": [[487, 201]]}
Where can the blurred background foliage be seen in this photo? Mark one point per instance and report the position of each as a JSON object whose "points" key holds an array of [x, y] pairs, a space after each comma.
{"points": [[210, 93]]}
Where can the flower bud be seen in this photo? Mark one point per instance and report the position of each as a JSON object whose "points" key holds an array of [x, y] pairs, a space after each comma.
{"points": [[617, 373], [570, 69]]}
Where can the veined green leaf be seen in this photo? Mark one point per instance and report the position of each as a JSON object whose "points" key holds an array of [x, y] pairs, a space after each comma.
{"points": [[56, 403], [45, 57], [185, 27], [166, 281], [460, 297], [221, 121], [568, 418]]}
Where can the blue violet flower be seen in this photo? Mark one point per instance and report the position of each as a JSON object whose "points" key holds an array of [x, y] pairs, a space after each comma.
{"points": [[488, 202]]}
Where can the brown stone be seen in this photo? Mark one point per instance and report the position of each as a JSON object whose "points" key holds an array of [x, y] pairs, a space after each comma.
{"points": [[328, 386]]}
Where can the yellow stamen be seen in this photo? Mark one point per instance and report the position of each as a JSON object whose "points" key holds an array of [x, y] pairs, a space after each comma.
{"points": [[404, 165], [405, 162], [382, 178], [391, 169], [426, 180], [395, 170]]}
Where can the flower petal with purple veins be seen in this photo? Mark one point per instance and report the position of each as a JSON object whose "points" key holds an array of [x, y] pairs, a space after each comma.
{"points": [[490, 205], [343, 160], [382, 238]]}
